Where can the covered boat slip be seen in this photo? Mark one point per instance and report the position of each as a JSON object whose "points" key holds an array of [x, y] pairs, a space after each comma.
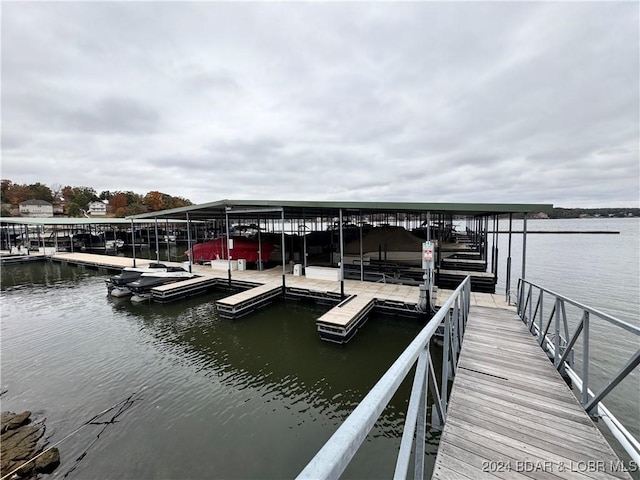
{"points": [[347, 224], [289, 224]]}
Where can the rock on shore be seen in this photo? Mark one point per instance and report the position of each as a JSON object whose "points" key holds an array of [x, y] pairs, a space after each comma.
{"points": [[19, 443]]}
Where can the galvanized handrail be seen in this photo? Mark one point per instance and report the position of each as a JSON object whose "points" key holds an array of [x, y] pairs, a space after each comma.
{"points": [[335, 455], [560, 349]]}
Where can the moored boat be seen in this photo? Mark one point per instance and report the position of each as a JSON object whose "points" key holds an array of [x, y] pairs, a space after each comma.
{"points": [[117, 285], [141, 288], [248, 249]]}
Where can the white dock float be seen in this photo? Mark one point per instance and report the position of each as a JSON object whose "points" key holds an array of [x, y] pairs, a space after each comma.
{"points": [[341, 322], [182, 289], [101, 261], [241, 303]]}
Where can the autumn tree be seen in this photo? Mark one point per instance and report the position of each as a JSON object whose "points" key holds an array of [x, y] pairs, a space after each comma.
{"points": [[154, 201], [18, 194], [118, 204], [41, 192]]}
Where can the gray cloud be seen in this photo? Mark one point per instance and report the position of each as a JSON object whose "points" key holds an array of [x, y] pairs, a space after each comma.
{"points": [[434, 101]]}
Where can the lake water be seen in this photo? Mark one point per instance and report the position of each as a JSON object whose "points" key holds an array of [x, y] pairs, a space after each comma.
{"points": [[255, 397]]}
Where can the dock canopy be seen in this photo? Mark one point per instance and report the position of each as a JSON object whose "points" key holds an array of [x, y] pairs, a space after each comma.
{"points": [[300, 209]]}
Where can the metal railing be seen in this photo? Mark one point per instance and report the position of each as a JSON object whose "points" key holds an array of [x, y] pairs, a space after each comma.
{"points": [[559, 345], [334, 457]]}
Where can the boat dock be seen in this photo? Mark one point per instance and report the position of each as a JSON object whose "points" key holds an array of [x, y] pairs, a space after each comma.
{"points": [[349, 312], [100, 262], [242, 303], [510, 413], [341, 322]]}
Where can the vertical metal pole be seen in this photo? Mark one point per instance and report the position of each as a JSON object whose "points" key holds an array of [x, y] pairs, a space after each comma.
{"points": [[428, 272], [541, 316], [421, 429], [495, 245], [497, 242], [148, 240], [524, 245], [133, 242], [157, 241], [585, 359], [304, 241], [284, 287], [259, 247], [226, 213], [166, 225], [361, 253], [189, 246], [508, 279], [486, 239], [445, 360], [556, 338], [341, 258]]}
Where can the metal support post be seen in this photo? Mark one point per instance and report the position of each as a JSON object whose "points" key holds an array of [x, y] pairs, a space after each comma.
{"points": [[189, 246], [556, 337], [585, 360], [226, 216], [133, 242], [361, 253], [283, 257], [508, 279], [341, 259], [524, 245], [157, 241], [168, 242]]}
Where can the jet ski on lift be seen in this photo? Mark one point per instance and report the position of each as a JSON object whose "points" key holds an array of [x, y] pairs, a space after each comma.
{"points": [[117, 285], [141, 288]]}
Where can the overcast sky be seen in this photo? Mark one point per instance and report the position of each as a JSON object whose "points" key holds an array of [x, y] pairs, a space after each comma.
{"points": [[434, 102]]}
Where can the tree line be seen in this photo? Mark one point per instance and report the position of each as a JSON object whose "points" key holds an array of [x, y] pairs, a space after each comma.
{"points": [[73, 200]]}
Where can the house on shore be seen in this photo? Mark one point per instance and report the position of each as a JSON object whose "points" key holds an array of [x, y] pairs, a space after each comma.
{"points": [[36, 209], [97, 208]]}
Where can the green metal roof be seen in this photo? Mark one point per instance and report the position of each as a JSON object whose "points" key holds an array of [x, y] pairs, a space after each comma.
{"points": [[298, 209], [75, 221]]}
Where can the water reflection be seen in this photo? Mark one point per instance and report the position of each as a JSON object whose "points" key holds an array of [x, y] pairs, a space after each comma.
{"points": [[251, 398], [277, 353]]}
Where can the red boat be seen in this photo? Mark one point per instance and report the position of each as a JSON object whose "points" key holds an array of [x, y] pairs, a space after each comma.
{"points": [[243, 248]]}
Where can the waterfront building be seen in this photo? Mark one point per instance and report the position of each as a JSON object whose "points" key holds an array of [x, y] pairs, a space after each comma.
{"points": [[36, 209]]}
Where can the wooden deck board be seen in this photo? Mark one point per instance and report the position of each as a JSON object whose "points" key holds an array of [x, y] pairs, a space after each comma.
{"points": [[516, 410]]}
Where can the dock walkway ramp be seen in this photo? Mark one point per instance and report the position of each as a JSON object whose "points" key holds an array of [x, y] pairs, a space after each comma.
{"points": [[511, 415]]}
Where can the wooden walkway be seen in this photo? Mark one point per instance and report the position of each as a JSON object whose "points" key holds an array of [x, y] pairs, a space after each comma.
{"points": [[511, 415]]}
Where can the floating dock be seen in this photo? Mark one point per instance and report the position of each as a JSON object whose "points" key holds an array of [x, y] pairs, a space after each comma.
{"points": [[511, 415], [471, 265], [246, 302], [350, 308], [101, 262], [480, 281], [341, 322], [183, 289]]}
